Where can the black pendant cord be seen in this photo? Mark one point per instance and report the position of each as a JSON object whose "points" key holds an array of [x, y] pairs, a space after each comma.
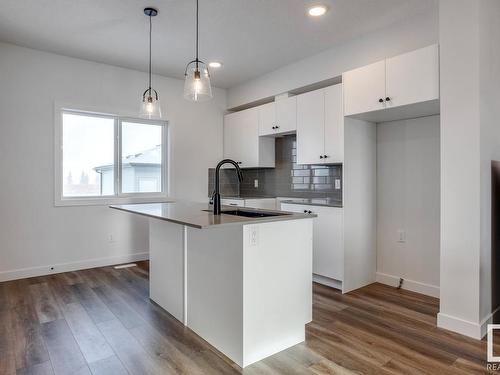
{"points": [[197, 62], [197, 36], [150, 33]]}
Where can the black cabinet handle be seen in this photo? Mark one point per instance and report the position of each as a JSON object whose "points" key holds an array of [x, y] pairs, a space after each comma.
{"points": [[381, 100], [387, 99], [321, 156], [277, 127], [305, 211], [309, 212], [240, 162], [325, 156], [274, 127]]}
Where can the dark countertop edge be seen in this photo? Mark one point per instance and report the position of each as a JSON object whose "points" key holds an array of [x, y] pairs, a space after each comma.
{"points": [[211, 226], [248, 197], [335, 205]]}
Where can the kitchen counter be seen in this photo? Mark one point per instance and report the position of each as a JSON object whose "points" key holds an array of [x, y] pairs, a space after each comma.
{"points": [[193, 214], [244, 286]]}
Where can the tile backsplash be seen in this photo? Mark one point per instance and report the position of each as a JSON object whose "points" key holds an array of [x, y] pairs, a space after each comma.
{"points": [[287, 179]]}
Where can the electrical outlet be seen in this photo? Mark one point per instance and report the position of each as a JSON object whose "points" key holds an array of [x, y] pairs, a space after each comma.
{"points": [[337, 184], [254, 236], [401, 235], [111, 238], [255, 183]]}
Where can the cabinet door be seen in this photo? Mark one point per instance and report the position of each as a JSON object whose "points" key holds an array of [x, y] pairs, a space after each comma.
{"points": [[328, 244], [310, 127], [286, 114], [413, 77], [334, 125], [363, 89], [328, 248], [267, 118], [241, 137]]}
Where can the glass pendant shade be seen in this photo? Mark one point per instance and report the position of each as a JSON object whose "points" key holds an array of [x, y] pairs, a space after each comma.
{"points": [[197, 85], [150, 106]]}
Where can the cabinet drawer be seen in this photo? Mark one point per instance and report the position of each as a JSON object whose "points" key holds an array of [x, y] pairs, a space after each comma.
{"points": [[233, 202]]}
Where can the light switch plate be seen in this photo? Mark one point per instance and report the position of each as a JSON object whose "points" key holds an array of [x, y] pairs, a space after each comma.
{"points": [[255, 183], [401, 236], [254, 235], [337, 184]]}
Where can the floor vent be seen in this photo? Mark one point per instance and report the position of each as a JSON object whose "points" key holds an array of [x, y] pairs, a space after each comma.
{"points": [[125, 266]]}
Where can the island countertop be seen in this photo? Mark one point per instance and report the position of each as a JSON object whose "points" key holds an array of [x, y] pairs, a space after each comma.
{"points": [[200, 215]]}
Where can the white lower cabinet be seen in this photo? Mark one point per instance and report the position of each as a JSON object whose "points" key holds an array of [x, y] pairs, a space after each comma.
{"points": [[328, 244]]}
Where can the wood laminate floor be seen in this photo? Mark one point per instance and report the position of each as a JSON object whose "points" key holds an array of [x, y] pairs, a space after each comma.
{"points": [[101, 321]]}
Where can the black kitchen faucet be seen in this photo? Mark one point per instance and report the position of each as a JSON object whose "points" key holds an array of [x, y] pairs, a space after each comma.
{"points": [[217, 208]]}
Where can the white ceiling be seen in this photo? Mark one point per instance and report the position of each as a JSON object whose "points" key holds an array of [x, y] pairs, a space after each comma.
{"points": [[251, 37]]}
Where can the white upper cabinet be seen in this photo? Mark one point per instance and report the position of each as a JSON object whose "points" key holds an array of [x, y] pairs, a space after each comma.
{"points": [[334, 125], [412, 77], [310, 127], [278, 117], [242, 142], [407, 85], [320, 126], [364, 89], [286, 114], [267, 118]]}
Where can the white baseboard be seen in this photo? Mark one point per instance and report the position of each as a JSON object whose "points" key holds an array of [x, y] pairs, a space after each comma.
{"points": [[465, 327], [332, 283], [23, 273], [414, 286]]}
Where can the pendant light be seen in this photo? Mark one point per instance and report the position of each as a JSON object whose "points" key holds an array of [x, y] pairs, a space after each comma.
{"points": [[197, 85], [150, 106]]}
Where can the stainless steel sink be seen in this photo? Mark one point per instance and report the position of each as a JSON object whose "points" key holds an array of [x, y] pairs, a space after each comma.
{"points": [[248, 213]]}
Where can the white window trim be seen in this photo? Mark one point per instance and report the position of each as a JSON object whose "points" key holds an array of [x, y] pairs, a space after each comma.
{"points": [[119, 198]]}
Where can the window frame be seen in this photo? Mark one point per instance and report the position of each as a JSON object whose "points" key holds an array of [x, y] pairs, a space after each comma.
{"points": [[118, 197]]}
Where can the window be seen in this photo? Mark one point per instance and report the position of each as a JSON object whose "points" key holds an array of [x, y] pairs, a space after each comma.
{"points": [[141, 157], [107, 159]]}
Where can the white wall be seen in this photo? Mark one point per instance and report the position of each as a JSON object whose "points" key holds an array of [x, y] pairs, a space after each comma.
{"points": [[408, 193], [408, 35], [33, 232], [489, 78], [470, 138]]}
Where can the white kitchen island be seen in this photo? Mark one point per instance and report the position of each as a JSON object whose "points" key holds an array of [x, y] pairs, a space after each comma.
{"points": [[244, 284]]}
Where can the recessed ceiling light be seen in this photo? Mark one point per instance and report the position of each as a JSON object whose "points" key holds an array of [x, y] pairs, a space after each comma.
{"points": [[215, 64], [317, 10]]}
